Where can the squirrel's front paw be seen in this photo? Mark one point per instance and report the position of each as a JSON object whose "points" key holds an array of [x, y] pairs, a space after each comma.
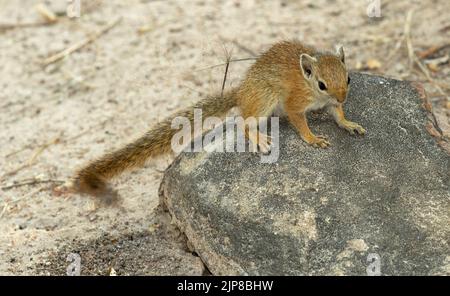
{"points": [[319, 142], [353, 127]]}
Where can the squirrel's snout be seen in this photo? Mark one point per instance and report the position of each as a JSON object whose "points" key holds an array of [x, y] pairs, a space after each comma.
{"points": [[341, 96], [341, 99]]}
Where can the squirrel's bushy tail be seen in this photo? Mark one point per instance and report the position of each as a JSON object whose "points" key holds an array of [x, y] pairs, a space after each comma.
{"points": [[92, 179]]}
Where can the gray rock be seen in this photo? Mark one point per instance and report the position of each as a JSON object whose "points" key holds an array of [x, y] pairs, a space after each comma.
{"points": [[382, 198]]}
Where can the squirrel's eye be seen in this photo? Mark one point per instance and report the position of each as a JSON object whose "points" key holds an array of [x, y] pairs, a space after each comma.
{"points": [[348, 80], [322, 85]]}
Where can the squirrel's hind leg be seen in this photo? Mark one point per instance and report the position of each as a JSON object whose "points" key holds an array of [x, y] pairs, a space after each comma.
{"points": [[254, 113]]}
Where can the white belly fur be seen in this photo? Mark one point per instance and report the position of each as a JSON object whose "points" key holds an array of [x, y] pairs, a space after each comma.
{"points": [[316, 105]]}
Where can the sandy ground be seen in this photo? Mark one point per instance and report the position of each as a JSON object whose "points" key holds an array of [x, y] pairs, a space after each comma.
{"points": [[156, 59]]}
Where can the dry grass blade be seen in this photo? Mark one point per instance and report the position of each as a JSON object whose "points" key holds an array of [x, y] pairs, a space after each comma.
{"points": [[227, 63], [223, 64], [241, 47], [31, 182], [8, 204], [413, 59], [49, 16], [5, 27], [32, 160], [428, 76], [391, 56], [42, 148], [407, 33], [5, 207], [18, 151], [81, 44], [46, 13]]}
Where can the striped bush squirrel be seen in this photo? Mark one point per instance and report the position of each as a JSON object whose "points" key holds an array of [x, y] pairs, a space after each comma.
{"points": [[289, 76]]}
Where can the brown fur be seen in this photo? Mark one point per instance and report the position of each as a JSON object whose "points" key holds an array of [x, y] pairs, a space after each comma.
{"points": [[277, 78], [157, 141]]}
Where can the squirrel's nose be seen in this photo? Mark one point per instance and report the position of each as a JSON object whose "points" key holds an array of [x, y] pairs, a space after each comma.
{"points": [[341, 96]]}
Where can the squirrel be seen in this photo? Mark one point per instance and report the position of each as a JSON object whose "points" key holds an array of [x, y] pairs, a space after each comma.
{"points": [[290, 76]]}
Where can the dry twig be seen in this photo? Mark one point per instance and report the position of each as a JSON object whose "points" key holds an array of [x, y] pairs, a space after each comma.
{"points": [[432, 50]]}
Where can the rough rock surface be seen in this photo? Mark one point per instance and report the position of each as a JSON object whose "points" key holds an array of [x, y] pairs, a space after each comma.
{"points": [[323, 212]]}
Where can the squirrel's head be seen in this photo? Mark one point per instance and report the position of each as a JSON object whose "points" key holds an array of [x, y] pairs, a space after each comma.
{"points": [[327, 75]]}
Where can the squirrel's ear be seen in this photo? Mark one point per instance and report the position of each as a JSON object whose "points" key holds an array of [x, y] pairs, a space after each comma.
{"points": [[340, 53], [306, 63]]}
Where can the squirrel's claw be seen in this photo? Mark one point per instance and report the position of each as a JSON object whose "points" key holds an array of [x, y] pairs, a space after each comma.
{"points": [[319, 142], [354, 128]]}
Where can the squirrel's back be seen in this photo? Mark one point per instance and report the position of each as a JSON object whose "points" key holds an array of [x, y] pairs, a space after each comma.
{"points": [[279, 60], [274, 75]]}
